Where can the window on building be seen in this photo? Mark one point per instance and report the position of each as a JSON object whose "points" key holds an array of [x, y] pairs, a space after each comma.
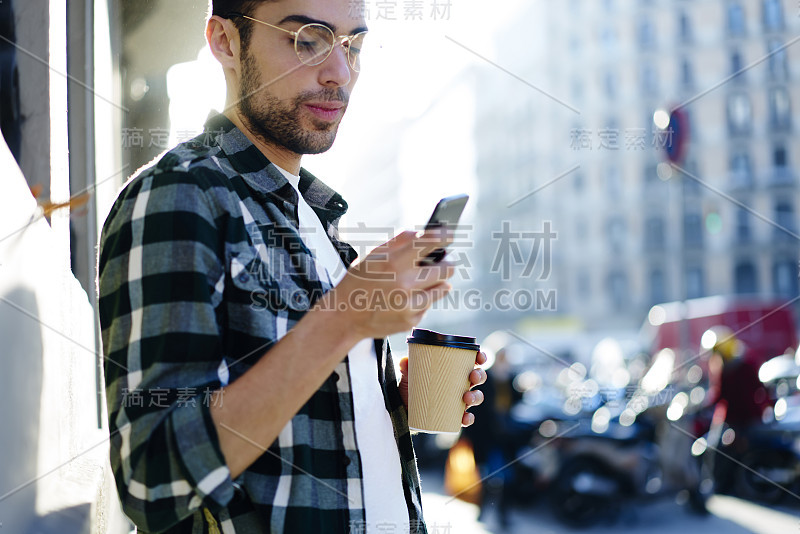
{"points": [[654, 238], [773, 15], [745, 278], [785, 220], [690, 183], [778, 62], [693, 230], [616, 233], [578, 182], [781, 173], [737, 66], [651, 174], [649, 79], [780, 112], [744, 230], [610, 83], [692, 190], [740, 113], [613, 182], [736, 20], [685, 27], [687, 74], [658, 287], [646, 33], [617, 287], [785, 279], [779, 157], [695, 283], [608, 36], [741, 170]]}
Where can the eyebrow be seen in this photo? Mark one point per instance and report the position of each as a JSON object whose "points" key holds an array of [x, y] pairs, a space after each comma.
{"points": [[303, 19]]}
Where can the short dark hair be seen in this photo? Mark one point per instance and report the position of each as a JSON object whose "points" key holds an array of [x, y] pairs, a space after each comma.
{"points": [[222, 8]]}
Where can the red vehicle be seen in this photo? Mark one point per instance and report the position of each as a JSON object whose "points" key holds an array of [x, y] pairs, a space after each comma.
{"points": [[766, 326]]}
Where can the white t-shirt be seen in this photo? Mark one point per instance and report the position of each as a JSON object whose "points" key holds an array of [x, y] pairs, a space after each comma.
{"points": [[384, 501]]}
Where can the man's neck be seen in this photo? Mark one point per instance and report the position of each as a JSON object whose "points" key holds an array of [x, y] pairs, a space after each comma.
{"points": [[280, 156]]}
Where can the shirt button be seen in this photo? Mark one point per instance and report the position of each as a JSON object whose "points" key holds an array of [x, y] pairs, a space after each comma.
{"points": [[345, 460], [335, 377], [244, 277]]}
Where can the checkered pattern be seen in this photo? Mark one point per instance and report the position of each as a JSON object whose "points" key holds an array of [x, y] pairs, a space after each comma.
{"points": [[201, 271]]}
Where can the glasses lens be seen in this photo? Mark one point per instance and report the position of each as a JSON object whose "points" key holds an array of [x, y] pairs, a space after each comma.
{"points": [[355, 44], [314, 43]]}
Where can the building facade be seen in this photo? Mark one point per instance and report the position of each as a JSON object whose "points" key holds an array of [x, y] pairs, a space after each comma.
{"points": [[569, 138]]}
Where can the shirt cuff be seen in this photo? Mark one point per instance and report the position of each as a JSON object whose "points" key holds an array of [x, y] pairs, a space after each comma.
{"points": [[201, 454]]}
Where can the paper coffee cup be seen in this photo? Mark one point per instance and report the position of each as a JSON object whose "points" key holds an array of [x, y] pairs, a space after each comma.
{"points": [[438, 367]]}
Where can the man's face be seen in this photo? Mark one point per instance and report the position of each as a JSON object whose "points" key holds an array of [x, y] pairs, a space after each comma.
{"points": [[283, 101]]}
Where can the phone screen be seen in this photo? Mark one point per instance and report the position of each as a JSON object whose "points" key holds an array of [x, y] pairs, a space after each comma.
{"points": [[447, 213]]}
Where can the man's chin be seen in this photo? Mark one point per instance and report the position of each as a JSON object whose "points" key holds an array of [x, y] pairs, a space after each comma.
{"points": [[317, 148], [318, 142]]}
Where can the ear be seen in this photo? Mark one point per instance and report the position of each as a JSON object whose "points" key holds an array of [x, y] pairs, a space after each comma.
{"points": [[223, 39]]}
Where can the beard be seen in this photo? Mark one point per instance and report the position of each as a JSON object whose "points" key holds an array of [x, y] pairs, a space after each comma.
{"points": [[278, 122]]}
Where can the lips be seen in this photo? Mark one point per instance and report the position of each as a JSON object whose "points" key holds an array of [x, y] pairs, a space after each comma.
{"points": [[325, 110]]}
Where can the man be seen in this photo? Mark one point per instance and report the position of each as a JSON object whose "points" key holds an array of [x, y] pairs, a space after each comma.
{"points": [[247, 390], [493, 440], [738, 396]]}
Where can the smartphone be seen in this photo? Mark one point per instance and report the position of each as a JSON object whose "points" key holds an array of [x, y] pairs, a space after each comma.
{"points": [[446, 213]]}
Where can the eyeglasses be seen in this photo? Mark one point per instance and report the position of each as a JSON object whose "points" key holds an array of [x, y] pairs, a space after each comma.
{"points": [[314, 42]]}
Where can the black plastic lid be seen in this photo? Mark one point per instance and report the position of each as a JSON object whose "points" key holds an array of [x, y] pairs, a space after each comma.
{"points": [[429, 337]]}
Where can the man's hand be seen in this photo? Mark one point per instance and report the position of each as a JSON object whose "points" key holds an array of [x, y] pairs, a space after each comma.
{"points": [[389, 291], [471, 398]]}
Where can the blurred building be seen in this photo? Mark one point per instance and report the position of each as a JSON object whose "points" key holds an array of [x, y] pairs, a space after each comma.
{"points": [[566, 135]]}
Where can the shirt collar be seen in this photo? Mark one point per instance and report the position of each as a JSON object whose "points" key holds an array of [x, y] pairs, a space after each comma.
{"points": [[263, 176]]}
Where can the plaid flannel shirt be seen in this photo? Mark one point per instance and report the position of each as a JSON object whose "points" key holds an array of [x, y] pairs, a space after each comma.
{"points": [[201, 270]]}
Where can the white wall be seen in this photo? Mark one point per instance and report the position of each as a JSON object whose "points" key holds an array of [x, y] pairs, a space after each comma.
{"points": [[54, 469], [54, 472]]}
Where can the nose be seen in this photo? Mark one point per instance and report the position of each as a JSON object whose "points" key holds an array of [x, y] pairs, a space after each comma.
{"points": [[336, 70]]}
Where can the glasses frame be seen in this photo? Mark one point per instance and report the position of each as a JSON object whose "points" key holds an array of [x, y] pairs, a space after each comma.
{"points": [[344, 40]]}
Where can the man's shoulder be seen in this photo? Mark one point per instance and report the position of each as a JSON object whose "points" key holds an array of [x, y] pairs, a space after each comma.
{"points": [[188, 177], [190, 161]]}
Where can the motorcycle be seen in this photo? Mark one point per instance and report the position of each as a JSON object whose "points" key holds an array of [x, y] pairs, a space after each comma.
{"points": [[770, 470], [763, 463], [599, 472], [630, 451]]}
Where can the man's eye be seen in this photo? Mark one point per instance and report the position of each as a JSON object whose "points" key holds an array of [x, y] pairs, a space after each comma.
{"points": [[307, 45]]}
